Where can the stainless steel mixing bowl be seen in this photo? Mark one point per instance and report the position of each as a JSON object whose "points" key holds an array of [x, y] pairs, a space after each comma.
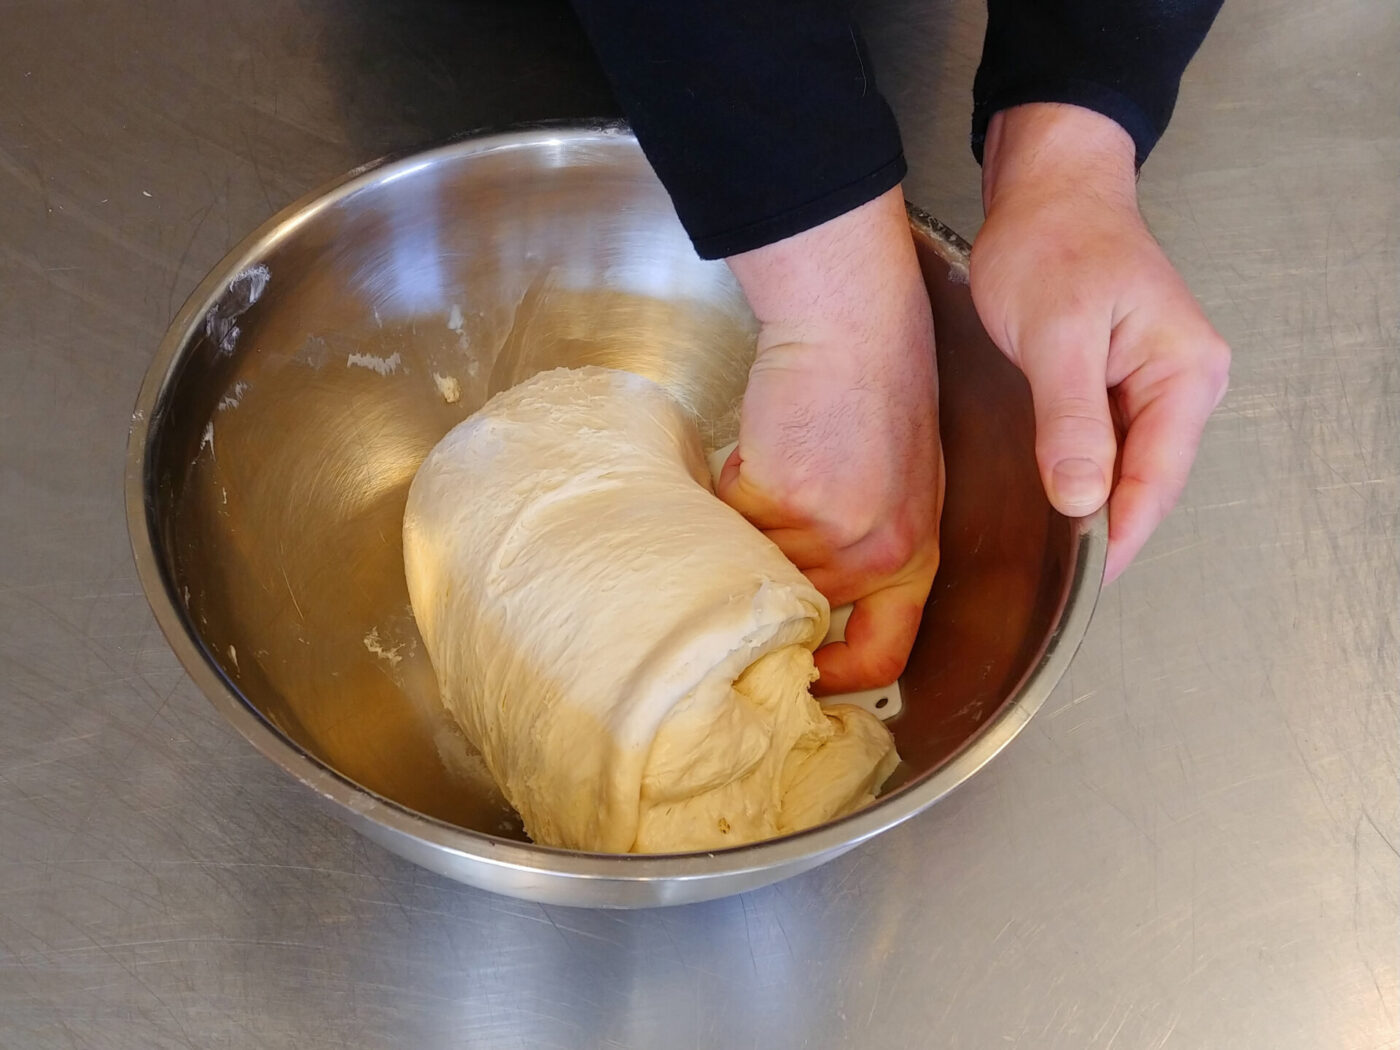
{"points": [[304, 381]]}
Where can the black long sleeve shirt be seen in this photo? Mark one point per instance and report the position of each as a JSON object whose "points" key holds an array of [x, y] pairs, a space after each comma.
{"points": [[762, 117]]}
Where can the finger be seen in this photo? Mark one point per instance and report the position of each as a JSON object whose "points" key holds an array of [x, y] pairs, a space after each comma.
{"points": [[879, 638], [1066, 364], [729, 473], [1157, 456]]}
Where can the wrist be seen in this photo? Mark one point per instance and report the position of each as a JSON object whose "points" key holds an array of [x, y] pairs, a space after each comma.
{"points": [[1049, 147], [831, 276]]}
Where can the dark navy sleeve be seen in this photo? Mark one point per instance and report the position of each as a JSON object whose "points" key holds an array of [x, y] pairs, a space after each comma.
{"points": [[761, 117], [1121, 58]]}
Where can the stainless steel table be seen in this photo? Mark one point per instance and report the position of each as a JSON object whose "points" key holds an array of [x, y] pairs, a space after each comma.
{"points": [[1193, 845]]}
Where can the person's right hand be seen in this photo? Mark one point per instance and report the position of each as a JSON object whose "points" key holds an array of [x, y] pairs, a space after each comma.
{"points": [[839, 461]]}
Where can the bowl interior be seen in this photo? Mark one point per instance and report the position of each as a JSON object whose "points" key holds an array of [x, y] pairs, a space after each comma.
{"points": [[302, 393]]}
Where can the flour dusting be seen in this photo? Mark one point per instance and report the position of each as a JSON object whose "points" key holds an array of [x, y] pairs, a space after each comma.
{"points": [[376, 648], [233, 397], [383, 365], [449, 388]]}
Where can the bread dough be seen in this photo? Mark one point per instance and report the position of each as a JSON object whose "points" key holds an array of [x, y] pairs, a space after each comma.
{"points": [[632, 657]]}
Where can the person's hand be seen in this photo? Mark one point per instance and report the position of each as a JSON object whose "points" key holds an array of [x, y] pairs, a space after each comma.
{"points": [[838, 459], [1072, 287]]}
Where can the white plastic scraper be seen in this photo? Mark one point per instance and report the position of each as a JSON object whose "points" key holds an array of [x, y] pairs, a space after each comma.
{"points": [[883, 703]]}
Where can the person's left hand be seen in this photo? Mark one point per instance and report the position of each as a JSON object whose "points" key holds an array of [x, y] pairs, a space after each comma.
{"points": [[1073, 288]]}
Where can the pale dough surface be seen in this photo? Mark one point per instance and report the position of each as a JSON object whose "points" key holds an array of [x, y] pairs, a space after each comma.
{"points": [[631, 656]]}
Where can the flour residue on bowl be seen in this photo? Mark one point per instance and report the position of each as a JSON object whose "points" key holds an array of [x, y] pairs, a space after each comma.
{"points": [[233, 397], [466, 766], [376, 647], [448, 387], [383, 365], [457, 322]]}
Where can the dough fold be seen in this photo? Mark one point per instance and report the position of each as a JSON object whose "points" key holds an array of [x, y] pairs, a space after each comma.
{"points": [[632, 658]]}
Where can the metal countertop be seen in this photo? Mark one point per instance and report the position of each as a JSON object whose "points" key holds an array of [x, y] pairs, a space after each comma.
{"points": [[1192, 845]]}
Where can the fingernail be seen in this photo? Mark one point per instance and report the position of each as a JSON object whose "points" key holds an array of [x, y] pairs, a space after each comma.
{"points": [[1079, 486]]}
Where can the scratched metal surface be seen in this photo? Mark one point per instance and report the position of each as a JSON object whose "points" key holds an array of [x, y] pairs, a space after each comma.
{"points": [[1191, 846]]}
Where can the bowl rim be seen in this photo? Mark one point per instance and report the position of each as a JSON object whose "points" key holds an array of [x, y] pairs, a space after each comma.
{"points": [[1077, 604]]}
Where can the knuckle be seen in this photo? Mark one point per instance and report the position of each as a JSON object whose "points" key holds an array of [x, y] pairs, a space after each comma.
{"points": [[1079, 416], [848, 530], [1217, 365], [885, 665], [886, 559], [879, 667], [1220, 386], [1073, 408], [1210, 364], [894, 549]]}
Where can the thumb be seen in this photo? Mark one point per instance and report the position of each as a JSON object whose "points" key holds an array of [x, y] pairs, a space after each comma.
{"points": [[727, 476], [735, 487], [1075, 443]]}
